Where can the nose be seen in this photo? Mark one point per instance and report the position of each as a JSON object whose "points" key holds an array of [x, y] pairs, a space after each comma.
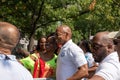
{"points": [[43, 45]]}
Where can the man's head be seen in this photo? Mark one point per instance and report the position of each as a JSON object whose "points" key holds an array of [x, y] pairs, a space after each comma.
{"points": [[9, 36], [63, 34], [117, 42], [102, 46]]}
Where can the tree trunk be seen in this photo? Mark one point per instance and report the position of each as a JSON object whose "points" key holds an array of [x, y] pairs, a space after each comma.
{"points": [[31, 42]]}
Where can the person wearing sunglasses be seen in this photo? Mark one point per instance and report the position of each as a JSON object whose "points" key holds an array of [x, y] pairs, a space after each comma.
{"points": [[117, 43], [104, 52]]}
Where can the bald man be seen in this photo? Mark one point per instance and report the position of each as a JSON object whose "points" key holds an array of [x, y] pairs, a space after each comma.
{"points": [[10, 68], [105, 54], [71, 62], [117, 43]]}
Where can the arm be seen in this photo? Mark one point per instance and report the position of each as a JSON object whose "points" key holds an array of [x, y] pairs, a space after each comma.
{"points": [[92, 70], [96, 77], [81, 72]]}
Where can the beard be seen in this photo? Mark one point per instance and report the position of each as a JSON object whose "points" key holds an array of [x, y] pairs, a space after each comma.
{"points": [[101, 55]]}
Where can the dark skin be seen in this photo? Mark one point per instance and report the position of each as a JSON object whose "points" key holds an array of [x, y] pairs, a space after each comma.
{"points": [[117, 41], [103, 46], [42, 48], [92, 69], [9, 37], [50, 48], [63, 34]]}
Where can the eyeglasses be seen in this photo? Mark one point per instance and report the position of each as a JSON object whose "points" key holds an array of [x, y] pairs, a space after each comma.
{"points": [[97, 46], [59, 34]]}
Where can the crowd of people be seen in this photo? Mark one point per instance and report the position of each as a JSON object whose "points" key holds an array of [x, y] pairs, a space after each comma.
{"points": [[57, 57]]}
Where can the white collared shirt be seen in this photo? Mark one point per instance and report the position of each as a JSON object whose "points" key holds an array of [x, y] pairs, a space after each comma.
{"points": [[109, 68], [69, 59], [11, 69]]}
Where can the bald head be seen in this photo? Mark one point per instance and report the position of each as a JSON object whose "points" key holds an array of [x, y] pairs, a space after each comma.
{"points": [[102, 46], [65, 29], [63, 34], [9, 35], [103, 37]]}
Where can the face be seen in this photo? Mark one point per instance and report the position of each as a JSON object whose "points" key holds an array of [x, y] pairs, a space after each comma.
{"points": [[99, 50], [42, 44], [60, 37], [51, 44], [117, 43]]}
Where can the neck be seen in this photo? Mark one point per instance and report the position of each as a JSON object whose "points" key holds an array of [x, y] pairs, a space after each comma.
{"points": [[47, 56], [5, 51]]}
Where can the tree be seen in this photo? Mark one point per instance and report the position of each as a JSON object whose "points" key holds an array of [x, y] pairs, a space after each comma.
{"points": [[39, 17], [105, 16], [33, 15]]}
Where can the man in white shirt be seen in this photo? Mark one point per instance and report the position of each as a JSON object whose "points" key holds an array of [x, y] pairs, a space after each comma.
{"points": [[104, 52], [117, 43], [10, 68], [71, 62]]}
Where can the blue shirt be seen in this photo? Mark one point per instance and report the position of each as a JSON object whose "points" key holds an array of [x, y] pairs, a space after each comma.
{"points": [[11, 69]]}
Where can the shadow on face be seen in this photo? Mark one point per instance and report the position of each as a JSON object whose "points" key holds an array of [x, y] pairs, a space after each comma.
{"points": [[51, 44], [117, 44]]}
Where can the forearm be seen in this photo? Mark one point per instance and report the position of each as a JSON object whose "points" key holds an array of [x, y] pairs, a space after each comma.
{"points": [[92, 69], [82, 72], [91, 73]]}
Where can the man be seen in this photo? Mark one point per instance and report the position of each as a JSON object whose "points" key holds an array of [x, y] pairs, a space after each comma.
{"points": [[117, 43], [10, 68], [71, 62], [104, 52]]}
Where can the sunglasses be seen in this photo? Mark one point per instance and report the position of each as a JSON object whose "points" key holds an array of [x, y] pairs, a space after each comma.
{"points": [[96, 46]]}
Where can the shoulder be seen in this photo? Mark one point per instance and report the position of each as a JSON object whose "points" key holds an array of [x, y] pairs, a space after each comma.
{"points": [[108, 71], [74, 47], [16, 69]]}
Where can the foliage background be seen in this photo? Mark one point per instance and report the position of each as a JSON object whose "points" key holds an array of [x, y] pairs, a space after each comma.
{"points": [[35, 18]]}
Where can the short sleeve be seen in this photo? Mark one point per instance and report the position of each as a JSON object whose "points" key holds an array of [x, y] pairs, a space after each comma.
{"points": [[77, 56], [107, 71]]}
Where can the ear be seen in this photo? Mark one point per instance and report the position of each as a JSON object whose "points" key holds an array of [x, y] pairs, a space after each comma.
{"points": [[66, 34]]}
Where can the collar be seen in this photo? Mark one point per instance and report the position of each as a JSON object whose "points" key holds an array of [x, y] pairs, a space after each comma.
{"points": [[7, 57], [112, 56], [67, 43]]}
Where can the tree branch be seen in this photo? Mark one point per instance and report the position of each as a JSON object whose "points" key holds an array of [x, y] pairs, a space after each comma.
{"points": [[90, 8], [38, 17], [117, 3], [48, 22], [40, 12]]}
